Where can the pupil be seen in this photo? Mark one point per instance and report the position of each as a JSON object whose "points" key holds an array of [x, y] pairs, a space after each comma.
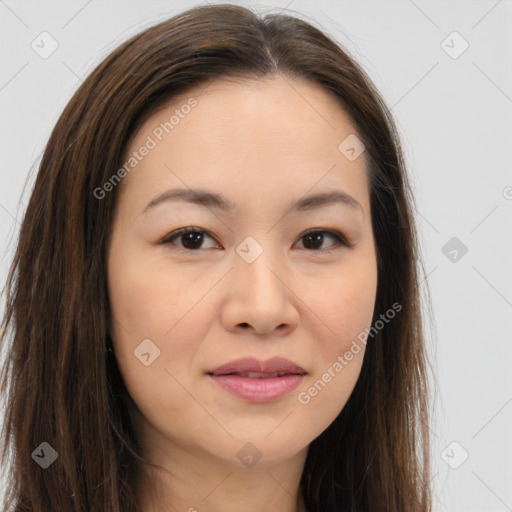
{"points": [[189, 237], [314, 238]]}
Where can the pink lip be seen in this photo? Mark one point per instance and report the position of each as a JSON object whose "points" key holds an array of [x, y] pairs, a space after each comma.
{"points": [[258, 389]]}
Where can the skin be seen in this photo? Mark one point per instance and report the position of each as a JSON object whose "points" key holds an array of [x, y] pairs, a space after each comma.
{"points": [[261, 144]]}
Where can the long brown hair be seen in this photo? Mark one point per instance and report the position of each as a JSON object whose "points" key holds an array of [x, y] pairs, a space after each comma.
{"points": [[61, 382]]}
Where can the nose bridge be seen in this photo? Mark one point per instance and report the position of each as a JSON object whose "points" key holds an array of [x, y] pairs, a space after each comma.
{"points": [[256, 264], [258, 294]]}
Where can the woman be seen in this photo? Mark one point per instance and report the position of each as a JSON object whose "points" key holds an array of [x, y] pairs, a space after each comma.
{"points": [[183, 337]]}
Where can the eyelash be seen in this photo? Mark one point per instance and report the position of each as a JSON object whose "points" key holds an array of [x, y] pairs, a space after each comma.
{"points": [[340, 240]]}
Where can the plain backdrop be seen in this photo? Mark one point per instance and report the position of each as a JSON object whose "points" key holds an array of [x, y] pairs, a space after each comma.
{"points": [[444, 67]]}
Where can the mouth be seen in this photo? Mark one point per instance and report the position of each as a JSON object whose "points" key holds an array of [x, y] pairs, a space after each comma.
{"points": [[258, 381], [255, 375], [255, 368]]}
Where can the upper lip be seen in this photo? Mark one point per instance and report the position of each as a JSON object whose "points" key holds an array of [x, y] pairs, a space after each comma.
{"points": [[251, 364]]}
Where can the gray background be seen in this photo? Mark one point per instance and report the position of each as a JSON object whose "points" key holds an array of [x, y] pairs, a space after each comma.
{"points": [[454, 115]]}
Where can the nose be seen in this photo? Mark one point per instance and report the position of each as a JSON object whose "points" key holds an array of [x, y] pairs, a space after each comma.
{"points": [[260, 297]]}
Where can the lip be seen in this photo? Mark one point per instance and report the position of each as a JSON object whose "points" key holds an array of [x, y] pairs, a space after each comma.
{"points": [[251, 364], [266, 386]]}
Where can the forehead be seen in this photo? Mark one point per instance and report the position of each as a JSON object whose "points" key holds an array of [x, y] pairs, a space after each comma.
{"points": [[240, 100], [272, 130]]}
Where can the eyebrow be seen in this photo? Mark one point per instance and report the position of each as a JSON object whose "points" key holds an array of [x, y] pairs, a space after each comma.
{"points": [[213, 200]]}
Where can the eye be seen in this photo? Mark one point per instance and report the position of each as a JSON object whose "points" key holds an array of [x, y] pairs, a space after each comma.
{"points": [[192, 238], [316, 238]]}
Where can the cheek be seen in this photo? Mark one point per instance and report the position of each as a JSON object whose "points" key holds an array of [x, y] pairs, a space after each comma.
{"points": [[345, 308], [326, 391], [340, 328], [144, 308], [150, 304], [146, 298]]}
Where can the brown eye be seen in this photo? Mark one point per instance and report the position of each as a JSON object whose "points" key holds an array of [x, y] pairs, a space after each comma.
{"points": [[191, 238], [313, 240]]}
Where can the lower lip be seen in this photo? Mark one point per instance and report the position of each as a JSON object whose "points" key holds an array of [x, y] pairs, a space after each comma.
{"points": [[258, 389]]}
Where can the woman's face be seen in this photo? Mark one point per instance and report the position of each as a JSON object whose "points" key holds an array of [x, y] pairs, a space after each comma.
{"points": [[251, 283]]}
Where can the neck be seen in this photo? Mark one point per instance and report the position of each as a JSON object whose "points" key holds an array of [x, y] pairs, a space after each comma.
{"points": [[195, 482]]}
